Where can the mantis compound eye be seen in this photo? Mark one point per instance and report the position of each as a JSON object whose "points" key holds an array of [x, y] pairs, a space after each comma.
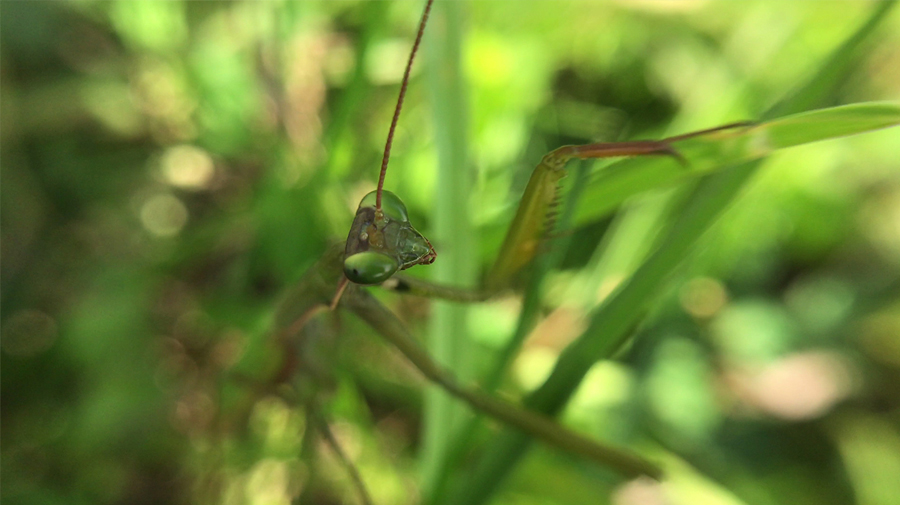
{"points": [[369, 267]]}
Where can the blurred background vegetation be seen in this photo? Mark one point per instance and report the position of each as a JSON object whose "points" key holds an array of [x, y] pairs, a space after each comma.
{"points": [[169, 168]]}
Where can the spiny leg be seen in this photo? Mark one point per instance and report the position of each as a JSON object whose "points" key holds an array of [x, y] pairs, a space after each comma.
{"points": [[530, 222]]}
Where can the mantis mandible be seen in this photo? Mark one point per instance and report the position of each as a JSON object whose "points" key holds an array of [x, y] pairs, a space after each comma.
{"points": [[382, 242]]}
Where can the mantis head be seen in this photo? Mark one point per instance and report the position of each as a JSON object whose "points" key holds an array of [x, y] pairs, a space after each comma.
{"points": [[381, 240], [381, 243]]}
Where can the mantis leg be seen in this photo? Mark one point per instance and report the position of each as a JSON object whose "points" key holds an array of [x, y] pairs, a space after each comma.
{"points": [[536, 212], [420, 287], [381, 319], [534, 215]]}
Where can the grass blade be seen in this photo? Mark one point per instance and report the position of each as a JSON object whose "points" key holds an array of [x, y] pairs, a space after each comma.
{"points": [[442, 413]]}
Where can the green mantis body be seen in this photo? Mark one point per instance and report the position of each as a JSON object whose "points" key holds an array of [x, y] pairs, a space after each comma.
{"points": [[301, 329]]}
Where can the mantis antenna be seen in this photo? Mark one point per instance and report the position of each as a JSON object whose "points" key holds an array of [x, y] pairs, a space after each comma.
{"points": [[390, 137]]}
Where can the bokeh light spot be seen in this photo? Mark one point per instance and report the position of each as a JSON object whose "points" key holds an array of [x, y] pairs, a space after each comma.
{"points": [[753, 331], [268, 483], [640, 491], [163, 215], [820, 303], [187, 167], [803, 386], [679, 391], [703, 297], [386, 61], [491, 61], [606, 383], [533, 366]]}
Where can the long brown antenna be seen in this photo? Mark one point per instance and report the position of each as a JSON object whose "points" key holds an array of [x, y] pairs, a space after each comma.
{"points": [[390, 137]]}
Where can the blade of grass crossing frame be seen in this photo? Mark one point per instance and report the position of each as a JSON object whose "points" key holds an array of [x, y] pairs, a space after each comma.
{"points": [[623, 310], [452, 229]]}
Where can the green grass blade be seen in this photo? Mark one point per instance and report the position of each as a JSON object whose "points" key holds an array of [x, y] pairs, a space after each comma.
{"points": [[452, 228], [830, 123]]}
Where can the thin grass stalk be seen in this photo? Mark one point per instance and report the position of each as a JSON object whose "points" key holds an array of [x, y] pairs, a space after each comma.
{"points": [[452, 229]]}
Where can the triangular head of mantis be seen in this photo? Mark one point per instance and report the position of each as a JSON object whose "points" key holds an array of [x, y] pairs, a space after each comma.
{"points": [[379, 246]]}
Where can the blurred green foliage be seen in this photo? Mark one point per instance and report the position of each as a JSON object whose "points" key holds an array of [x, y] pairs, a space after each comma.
{"points": [[169, 168]]}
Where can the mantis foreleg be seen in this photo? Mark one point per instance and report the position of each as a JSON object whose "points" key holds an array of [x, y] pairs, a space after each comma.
{"points": [[534, 215]]}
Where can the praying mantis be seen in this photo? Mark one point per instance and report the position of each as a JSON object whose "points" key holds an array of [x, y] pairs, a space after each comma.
{"points": [[382, 242]]}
